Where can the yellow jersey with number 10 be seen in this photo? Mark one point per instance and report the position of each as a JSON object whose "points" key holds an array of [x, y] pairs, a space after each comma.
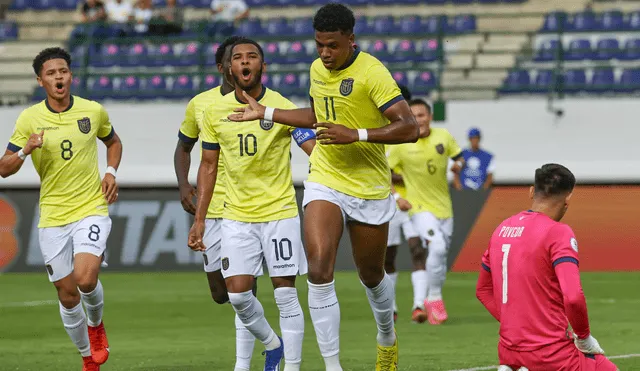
{"points": [[355, 96], [424, 167], [191, 129], [67, 163]]}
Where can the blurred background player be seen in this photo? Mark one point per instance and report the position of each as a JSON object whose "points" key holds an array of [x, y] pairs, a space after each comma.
{"points": [[74, 217], [187, 137], [401, 225], [479, 165], [355, 89], [260, 217], [424, 167], [530, 283]]}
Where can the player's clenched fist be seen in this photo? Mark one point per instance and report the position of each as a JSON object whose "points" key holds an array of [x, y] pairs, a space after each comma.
{"points": [[403, 204], [195, 237], [110, 188], [335, 133], [35, 141]]}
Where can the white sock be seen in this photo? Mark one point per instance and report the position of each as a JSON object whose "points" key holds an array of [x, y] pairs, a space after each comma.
{"points": [[325, 315], [94, 303], [251, 314], [381, 301], [75, 323], [419, 281], [394, 279], [291, 326], [436, 268], [245, 342]]}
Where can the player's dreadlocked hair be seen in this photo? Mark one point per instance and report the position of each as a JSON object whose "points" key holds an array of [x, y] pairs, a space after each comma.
{"points": [[418, 101], [406, 93], [47, 55], [244, 40], [553, 180], [334, 17], [221, 49]]}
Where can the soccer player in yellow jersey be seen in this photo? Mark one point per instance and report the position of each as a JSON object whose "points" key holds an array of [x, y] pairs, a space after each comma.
{"points": [[424, 171], [260, 216], [60, 135], [360, 108], [190, 130]]}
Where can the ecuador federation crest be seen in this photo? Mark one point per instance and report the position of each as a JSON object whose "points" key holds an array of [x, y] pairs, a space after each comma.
{"points": [[346, 87], [84, 124], [440, 148], [266, 124], [225, 263]]}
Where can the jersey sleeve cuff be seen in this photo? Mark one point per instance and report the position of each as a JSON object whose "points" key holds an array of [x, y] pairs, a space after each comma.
{"points": [[13, 148], [186, 139], [565, 259], [486, 267], [390, 103], [210, 146], [109, 136]]}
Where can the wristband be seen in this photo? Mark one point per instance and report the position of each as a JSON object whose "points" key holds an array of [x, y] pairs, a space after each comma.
{"points": [[22, 155], [363, 135], [396, 196], [268, 113], [111, 170]]}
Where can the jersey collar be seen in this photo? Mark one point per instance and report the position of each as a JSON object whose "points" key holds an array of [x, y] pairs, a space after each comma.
{"points": [[258, 99], [355, 54], [46, 103]]}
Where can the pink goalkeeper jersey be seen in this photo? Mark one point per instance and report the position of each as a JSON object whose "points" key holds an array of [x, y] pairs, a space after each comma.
{"points": [[521, 258]]}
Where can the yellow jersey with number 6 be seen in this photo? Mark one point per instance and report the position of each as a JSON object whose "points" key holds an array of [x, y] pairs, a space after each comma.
{"points": [[424, 167], [67, 163], [355, 96]]}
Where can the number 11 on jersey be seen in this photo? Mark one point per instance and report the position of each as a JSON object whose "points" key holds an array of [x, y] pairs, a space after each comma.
{"points": [[505, 260]]}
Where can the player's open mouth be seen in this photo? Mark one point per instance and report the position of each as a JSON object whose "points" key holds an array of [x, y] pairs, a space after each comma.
{"points": [[60, 88], [246, 74]]}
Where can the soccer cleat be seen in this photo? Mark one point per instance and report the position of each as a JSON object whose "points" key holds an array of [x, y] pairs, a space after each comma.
{"points": [[89, 365], [274, 357], [99, 343], [419, 315], [387, 359], [436, 313]]}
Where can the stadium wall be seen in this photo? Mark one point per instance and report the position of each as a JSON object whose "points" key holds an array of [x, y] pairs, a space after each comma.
{"points": [[596, 138]]}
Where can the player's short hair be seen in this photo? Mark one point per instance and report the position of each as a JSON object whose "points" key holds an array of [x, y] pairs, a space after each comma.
{"points": [[406, 93], [226, 43], [334, 17], [47, 55], [245, 40], [553, 180], [418, 101]]}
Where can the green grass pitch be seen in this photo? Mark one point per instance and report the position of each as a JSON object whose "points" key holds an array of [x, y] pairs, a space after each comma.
{"points": [[167, 321]]}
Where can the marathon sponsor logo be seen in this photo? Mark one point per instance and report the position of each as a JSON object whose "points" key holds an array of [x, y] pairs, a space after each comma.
{"points": [[90, 245], [45, 128], [319, 82], [283, 266]]}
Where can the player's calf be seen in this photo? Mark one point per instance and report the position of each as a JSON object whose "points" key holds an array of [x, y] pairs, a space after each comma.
{"points": [[217, 287], [291, 321]]}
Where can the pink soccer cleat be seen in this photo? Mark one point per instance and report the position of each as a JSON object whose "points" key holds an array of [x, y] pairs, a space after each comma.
{"points": [[436, 312]]}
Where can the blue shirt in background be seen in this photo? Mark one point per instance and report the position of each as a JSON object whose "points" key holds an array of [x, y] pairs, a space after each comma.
{"points": [[478, 165]]}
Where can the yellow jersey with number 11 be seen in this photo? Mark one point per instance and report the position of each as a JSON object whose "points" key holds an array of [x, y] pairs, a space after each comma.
{"points": [[355, 96]]}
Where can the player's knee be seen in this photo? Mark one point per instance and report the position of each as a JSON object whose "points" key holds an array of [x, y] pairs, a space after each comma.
{"points": [[418, 254], [371, 277], [389, 266], [415, 243], [320, 271], [86, 284], [240, 301], [286, 297], [69, 298]]}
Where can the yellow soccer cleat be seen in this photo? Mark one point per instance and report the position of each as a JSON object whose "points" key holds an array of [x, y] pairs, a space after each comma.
{"points": [[387, 359]]}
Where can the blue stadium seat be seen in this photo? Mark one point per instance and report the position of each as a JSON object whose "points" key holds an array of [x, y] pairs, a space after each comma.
{"points": [[629, 81], [66, 4], [78, 55], [272, 53], [289, 85], [554, 22], [434, 24], [462, 23], [105, 55], [20, 5], [160, 55], [631, 51], [155, 87], [250, 27], [362, 26], [187, 54], [612, 20], [409, 25], [209, 82], [429, 51], [210, 54], [462, 1], [297, 53], [543, 82], [424, 82], [405, 51], [266, 81], [633, 21], [136, 55], [517, 81], [102, 88], [607, 49], [183, 87], [383, 25], [354, 2], [435, 2], [8, 31], [77, 86], [276, 27], [583, 21], [574, 80], [547, 51], [601, 81], [380, 50], [43, 4], [200, 4], [579, 49], [401, 78], [129, 88], [514, 1], [488, 1], [302, 27]]}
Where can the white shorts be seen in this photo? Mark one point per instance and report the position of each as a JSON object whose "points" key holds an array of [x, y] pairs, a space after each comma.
{"points": [[398, 226], [373, 212], [278, 243], [60, 244], [211, 239], [429, 227]]}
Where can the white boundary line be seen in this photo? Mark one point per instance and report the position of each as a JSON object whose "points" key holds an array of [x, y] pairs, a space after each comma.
{"points": [[482, 368], [21, 304]]}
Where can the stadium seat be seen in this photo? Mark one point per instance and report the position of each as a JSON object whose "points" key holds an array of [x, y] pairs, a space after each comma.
{"points": [[79, 55], [8, 31], [362, 26], [289, 85], [488, 1], [183, 87], [135, 55], [102, 88], [612, 20], [20, 5], [210, 54], [43, 5], [629, 81], [435, 2], [579, 49], [297, 53], [462, 1], [462, 23], [574, 81], [302, 27], [405, 51], [424, 82], [543, 82], [105, 55], [160, 55], [409, 25], [200, 4], [514, 1], [66, 4], [631, 50], [401, 78], [77, 86], [547, 51], [379, 49], [266, 81], [209, 82], [155, 87], [186, 54], [434, 24], [429, 51], [129, 88], [555, 22], [517, 81], [276, 27], [633, 21], [272, 53], [601, 81], [39, 94], [250, 27], [607, 49], [383, 25], [583, 21]]}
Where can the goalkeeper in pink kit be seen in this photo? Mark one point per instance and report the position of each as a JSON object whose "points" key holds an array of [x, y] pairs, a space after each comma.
{"points": [[530, 283]]}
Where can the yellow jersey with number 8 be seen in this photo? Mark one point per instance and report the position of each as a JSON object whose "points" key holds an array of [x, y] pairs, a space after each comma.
{"points": [[355, 96], [67, 163]]}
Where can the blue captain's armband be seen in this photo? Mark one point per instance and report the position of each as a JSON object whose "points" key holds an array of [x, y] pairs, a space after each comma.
{"points": [[303, 135]]}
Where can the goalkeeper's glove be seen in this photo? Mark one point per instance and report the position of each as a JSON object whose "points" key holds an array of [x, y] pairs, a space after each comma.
{"points": [[588, 345]]}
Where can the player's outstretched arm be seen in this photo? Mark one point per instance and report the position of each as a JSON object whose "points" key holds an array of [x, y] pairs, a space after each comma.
{"points": [[299, 117], [484, 292], [12, 161], [181, 165], [207, 176]]}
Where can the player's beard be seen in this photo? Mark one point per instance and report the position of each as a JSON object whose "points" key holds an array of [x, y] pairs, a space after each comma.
{"points": [[248, 86]]}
